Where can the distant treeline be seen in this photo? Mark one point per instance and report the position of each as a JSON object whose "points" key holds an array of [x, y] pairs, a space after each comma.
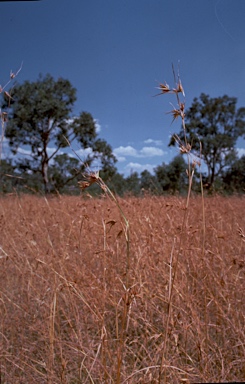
{"points": [[167, 179]]}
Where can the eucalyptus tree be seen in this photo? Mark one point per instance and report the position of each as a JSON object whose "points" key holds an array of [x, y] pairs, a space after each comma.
{"points": [[41, 122], [212, 127]]}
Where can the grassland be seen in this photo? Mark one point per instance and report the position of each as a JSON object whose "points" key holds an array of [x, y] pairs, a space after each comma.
{"points": [[73, 310]]}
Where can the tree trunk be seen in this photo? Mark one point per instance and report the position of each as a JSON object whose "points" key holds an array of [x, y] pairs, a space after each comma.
{"points": [[45, 161], [45, 176]]}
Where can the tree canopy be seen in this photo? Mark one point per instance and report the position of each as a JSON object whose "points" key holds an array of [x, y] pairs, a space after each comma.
{"points": [[212, 128], [234, 177], [40, 121], [172, 177]]}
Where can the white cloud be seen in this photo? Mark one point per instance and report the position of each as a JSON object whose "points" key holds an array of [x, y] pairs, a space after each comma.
{"points": [[136, 167], [83, 153], [70, 120], [28, 152], [151, 151], [97, 125], [51, 150], [151, 141], [122, 152], [240, 152], [22, 151], [125, 151], [4, 140], [120, 158], [132, 165]]}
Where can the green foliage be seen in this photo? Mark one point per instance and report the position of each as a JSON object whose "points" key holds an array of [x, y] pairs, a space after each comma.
{"points": [[149, 183], [84, 129], [40, 120], [117, 184], [172, 177], [133, 183], [234, 178], [213, 126], [63, 172], [39, 113], [103, 153], [7, 179]]}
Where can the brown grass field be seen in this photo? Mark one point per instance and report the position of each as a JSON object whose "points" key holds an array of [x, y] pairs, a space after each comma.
{"points": [[77, 306]]}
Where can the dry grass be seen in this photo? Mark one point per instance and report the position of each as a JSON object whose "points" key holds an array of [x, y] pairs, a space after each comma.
{"points": [[63, 293]]}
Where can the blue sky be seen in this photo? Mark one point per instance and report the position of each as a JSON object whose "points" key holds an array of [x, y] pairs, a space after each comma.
{"points": [[115, 53]]}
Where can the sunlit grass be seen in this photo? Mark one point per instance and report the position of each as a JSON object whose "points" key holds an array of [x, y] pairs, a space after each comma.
{"points": [[63, 293]]}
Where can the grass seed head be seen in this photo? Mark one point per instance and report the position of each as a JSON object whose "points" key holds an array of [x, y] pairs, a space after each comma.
{"points": [[90, 178], [179, 89]]}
